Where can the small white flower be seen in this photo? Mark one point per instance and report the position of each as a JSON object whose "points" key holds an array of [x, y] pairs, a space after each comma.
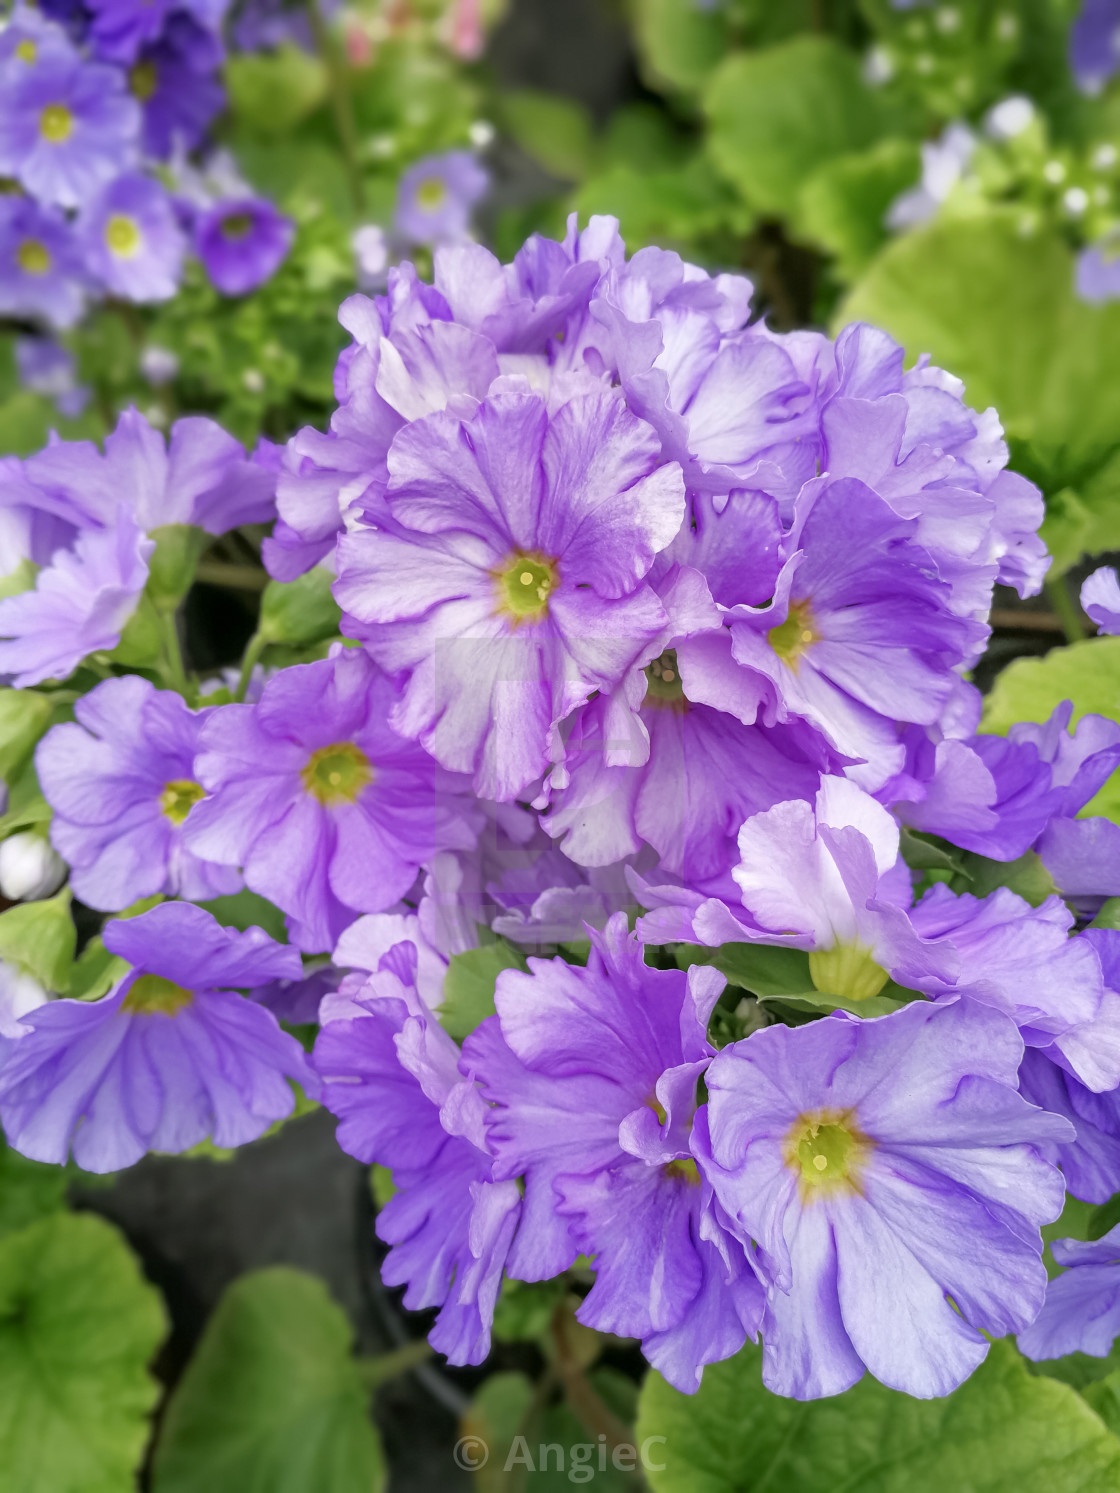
{"points": [[30, 867], [1010, 117]]}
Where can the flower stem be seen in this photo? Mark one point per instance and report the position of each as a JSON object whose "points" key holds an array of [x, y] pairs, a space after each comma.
{"points": [[174, 670], [253, 650], [1069, 613]]}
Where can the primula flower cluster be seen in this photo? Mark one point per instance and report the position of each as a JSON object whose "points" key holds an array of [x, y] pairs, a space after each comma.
{"points": [[100, 106], [656, 627]]}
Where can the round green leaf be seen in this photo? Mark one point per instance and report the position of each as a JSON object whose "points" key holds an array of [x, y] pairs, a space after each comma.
{"points": [[273, 1401], [78, 1326], [1003, 1431], [778, 114]]}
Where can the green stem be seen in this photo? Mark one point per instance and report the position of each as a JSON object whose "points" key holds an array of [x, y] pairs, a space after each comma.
{"points": [[253, 650], [1069, 613], [172, 652], [385, 1366], [338, 81]]}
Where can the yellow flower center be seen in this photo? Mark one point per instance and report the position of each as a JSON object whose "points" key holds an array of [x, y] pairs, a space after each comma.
{"points": [[337, 774], [431, 193], [237, 226], [33, 257], [56, 123], [685, 1169], [664, 690], [848, 970], [142, 79], [179, 797], [827, 1150], [26, 50], [790, 638], [122, 234], [524, 584], [154, 993]]}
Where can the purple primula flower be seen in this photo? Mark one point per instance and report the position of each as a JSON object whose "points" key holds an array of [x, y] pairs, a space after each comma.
{"points": [[119, 28], [1082, 1309], [1097, 272], [121, 782], [506, 583], [29, 38], [1021, 960], [41, 270], [591, 1074], [264, 25], [391, 1076], [366, 943], [48, 368], [1091, 1163], [406, 360], [133, 242], [1100, 599], [170, 1056], [859, 635], [882, 1167], [79, 606], [175, 81], [436, 195], [201, 477], [67, 127], [242, 242], [1094, 44], [329, 812]]}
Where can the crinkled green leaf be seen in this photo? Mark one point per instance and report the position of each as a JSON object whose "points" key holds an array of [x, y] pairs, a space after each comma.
{"points": [[272, 1401], [468, 986], [1003, 1431], [273, 91], [1104, 1396], [24, 716], [1088, 673], [554, 130], [673, 205], [78, 1327], [679, 41], [779, 114], [29, 1190], [95, 971], [40, 937], [245, 909], [844, 202]]}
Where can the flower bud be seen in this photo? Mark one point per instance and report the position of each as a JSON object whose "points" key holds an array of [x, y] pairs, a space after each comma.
{"points": [[29, 868]]}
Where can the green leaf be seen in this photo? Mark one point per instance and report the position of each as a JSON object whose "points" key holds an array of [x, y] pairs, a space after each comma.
{"points": [[844, 202], [24, 716], [141, 644], [677, 205], [40, 937], [273, 1401], [1104, 1217], [525, 1309], [1108, 917], [554, 130], [95, 971], [78, 1326], [300, 612], [29, 1190], [1027, 877], [1003, 1431], [760, 968], [679, 41], [1104, 1397], [272, 91], [779, 114], [245, 909], [1028, 689], [468, 986], [997, 307]]}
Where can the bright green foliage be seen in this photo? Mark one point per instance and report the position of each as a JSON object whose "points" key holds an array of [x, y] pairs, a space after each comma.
{"points": [[272, 92], [245, 909], [1087, 673], [272, 1401], [843, 204], [997, 307], [764, 137], [680, 41], [468, 987], [29, 1190], [78, 1328], [24, 716], [555, 131], [94, 972], [40, 937], [1003, 1431]]}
